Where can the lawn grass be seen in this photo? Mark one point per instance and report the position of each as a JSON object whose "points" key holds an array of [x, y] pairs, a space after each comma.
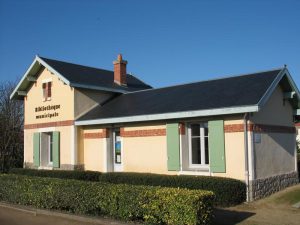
{"points": [[290, 198], [276, 210]]}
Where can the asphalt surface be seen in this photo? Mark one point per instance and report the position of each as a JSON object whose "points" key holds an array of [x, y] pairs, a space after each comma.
{"points": [[16, 216]]}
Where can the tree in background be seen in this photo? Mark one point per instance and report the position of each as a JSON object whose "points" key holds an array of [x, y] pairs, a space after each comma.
{"points": [[11, 129]]}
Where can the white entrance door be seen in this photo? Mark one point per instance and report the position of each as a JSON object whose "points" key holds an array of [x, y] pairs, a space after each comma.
{"points": [[117, 151]]}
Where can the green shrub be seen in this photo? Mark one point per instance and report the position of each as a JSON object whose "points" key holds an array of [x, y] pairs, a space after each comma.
{"points": [[228, 191], [152, 205]]}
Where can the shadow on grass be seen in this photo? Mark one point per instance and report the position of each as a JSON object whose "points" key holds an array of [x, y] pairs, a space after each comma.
{"points": [[229, 217]]}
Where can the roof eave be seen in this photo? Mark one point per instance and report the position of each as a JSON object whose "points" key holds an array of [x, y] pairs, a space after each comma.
{"points": [[28, 72], [173, 115], [97, 88]]}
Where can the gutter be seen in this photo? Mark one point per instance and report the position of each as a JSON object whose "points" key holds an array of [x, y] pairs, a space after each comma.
{"points": [[246, 117]]}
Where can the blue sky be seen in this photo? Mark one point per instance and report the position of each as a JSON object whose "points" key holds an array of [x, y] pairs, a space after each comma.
{"points": [[165, 42]]}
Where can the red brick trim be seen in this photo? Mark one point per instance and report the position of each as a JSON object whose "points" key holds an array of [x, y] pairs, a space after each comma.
{"points": [[143, 133], [97, 135], [260, 128], [182, 128], [297, 124], [234, 128], [49, 124]]}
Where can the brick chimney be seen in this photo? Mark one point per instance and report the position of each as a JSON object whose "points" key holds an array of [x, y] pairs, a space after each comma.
{"points": [[120, 71]]}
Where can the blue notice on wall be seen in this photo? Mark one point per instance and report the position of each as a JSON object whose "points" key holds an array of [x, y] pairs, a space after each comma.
{"points": [[118, 146]]}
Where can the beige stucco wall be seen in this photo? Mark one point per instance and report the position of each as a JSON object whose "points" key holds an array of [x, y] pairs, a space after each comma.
{"points": [[235, 156], [93, 154], [145, 154], [65, 143], [62, 95], [91, 151], [275, 154]]}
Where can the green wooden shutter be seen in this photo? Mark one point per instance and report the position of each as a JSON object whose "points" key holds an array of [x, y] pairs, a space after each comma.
{"points": [[36, 149], [216, 146], [56, 149], [173, 147]]}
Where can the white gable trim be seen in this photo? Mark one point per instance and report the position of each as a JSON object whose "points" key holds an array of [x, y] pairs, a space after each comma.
{"points": [[53, 70], [275, 83], [23, 78], [28, 75]]}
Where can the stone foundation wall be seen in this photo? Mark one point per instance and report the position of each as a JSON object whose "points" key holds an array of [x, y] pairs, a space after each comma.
{"points": [[28, 165], [261, 188]]}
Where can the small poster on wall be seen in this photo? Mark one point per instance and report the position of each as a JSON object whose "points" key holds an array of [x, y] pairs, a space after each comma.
{"points": [[257, 137]]}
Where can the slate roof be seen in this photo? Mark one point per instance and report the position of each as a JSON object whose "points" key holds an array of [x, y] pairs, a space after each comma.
{"points": [[243, 90], [79, 75]]}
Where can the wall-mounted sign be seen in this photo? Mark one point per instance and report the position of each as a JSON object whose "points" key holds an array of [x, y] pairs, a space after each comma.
{"points": [[46, 110], [257, 137]]}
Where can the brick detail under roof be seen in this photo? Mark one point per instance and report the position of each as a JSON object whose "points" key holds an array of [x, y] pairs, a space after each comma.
{"points": [[49, 124], [235, 128], [259, 128], [182, 128], [97, 135], [143, 133]]}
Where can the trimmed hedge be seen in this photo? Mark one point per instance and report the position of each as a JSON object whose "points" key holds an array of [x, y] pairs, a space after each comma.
{"points": [[63, 174], [228, 191], [152, 205]]}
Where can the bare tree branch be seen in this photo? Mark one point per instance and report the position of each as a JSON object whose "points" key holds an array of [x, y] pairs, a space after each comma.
{"points": [[11, 129]]}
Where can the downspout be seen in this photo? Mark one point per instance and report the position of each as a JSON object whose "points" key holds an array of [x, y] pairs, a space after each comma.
{"points": [[246, 117]]}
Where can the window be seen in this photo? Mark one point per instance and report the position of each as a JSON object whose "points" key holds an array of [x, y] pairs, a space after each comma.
{"points": [[47, 91], [199, 149]]}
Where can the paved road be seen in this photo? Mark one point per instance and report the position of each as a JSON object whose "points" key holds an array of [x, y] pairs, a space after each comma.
{"points": [[10, 216]]}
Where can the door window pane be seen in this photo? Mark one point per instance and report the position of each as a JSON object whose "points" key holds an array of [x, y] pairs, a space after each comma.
{"points": [[196, 154], [205, 130], [118, 159], [195, 129], [206, 151]]}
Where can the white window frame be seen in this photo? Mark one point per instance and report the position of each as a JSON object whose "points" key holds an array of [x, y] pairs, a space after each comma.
{"points": [[202, 146], [117, 167]]}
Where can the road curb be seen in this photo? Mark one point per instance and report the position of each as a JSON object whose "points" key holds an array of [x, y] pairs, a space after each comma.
{"points": [[18, 208], [80, 218]]}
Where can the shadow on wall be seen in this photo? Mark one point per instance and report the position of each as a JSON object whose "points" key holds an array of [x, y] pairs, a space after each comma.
{"points": [[229, 217]]}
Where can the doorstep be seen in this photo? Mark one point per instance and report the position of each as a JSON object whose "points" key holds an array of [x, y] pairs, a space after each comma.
{"points": [[81, 218]]}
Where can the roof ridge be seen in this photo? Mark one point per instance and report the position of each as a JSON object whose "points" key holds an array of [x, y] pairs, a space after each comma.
{"points": [[92, 67], [212, 79], [75, 64]]}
